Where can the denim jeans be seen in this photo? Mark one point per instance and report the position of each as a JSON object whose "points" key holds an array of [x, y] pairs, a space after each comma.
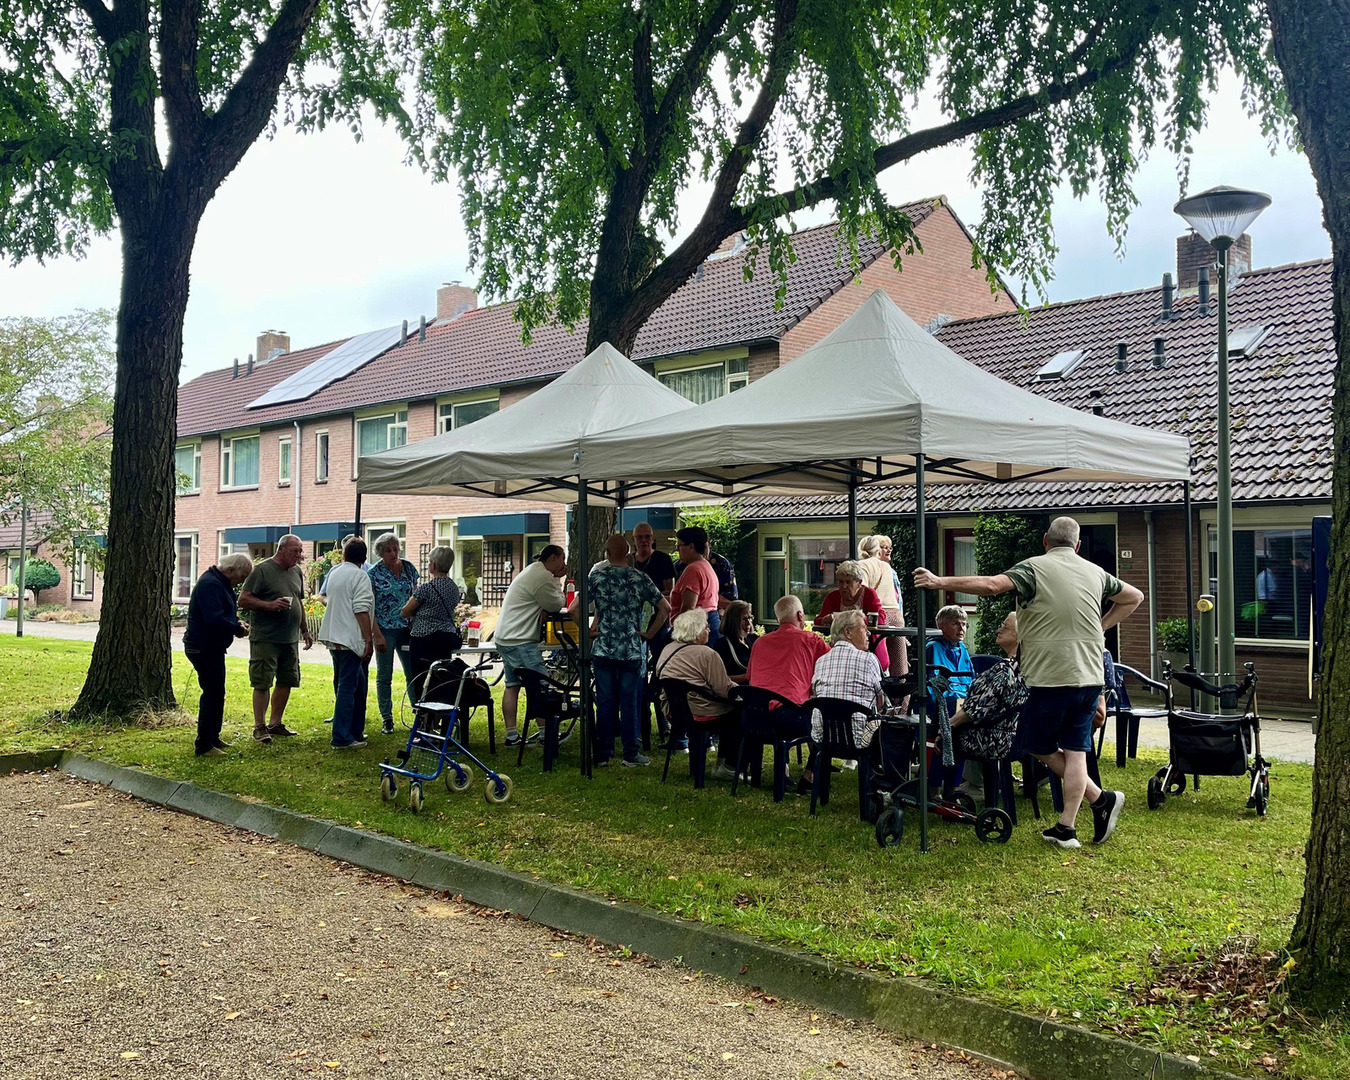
{"points": [[394, 640], [618, 704], [349, 708], [714, 627]]}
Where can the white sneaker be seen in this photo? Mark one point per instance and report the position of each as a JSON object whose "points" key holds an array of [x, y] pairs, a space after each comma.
{"points": [[722, 771]]}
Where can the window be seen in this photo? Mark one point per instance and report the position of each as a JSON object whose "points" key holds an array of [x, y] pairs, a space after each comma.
{"points": [[184, 565], [284, 461], [187, 460], [376, 433], [378, 528], [810, 566], [456, 414], [1060, 366], [700, 384], [738, 374], [239, 462], [321, 457], [1272, 571], [81, 577]]}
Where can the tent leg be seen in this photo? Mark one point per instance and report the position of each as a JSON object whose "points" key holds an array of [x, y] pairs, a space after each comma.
{"points": [[356, 524], [853, 515], [920, 657], [1190, 580], [584, 628]]}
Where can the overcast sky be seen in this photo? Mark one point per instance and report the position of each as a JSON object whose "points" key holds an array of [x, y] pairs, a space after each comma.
{"points": [[323, 237]]}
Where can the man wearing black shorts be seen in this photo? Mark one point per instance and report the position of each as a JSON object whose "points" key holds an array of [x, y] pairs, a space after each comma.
{"points": [[1061, 630]]}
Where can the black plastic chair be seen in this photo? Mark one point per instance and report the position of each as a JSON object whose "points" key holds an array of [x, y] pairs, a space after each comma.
{"points": [[1128, 716], [682, 724], [837, 742], [548, 704], [760, 728]]}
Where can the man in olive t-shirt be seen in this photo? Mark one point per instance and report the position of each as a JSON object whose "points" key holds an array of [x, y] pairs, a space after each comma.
{"points": [[274, 597], [1061, 631]]}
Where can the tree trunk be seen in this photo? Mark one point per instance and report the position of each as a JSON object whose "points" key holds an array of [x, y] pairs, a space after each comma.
{"points": [[132, 665], [1312, 46]]}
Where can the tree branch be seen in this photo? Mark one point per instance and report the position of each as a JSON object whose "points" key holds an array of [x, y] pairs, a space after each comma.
{"points": [[828, 186], [693, 66], [178, 41], [250, 103], [105, 24], [643, 91], [569, 77]]}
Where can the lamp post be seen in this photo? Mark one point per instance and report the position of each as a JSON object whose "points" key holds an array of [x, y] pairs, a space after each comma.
{"points": [[1221, 215]]}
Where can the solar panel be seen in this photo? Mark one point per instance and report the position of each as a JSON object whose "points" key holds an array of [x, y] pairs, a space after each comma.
{"points": [[332, 366]]}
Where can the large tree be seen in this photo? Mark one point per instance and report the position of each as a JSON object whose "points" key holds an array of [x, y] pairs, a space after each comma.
{"points": [[1312, 43], [133, 115]]}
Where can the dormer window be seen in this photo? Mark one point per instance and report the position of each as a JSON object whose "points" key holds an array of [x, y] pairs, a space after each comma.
{"points": [[1060, 366]]}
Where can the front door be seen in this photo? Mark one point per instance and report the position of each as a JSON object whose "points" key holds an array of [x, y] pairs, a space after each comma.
{"points": [[1098, 545]]}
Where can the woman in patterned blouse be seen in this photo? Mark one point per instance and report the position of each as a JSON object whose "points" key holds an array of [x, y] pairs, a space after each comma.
{"points": [[434, 633], [393, 579]]}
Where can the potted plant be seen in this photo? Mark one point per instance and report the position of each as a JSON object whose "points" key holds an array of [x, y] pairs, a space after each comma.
{"points": [[1172, 635]]}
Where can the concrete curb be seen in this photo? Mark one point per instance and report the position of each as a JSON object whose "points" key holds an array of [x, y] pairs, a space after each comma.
{"points": [[35, 762], [1042, 1049]]}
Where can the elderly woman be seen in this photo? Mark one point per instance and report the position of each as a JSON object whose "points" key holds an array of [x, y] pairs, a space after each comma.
{"points": [[393, 579], [738, 634], [434, 631], [853, 594], [688, 659], [212, 625], [997, 690], [874, 556], [949, 652]]}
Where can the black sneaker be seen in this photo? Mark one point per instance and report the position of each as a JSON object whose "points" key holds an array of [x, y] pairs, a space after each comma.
{"points": [[513, 738], [1061, 835], [388, 728], [637, 761], [1105, 814]]}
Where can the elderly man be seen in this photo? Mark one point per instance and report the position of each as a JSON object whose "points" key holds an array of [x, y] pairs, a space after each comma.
{"points": [[535, 593], [850, 672], [274, 594], [620, 595], [1062, 632], [785, 660], [348, 630], [212, 625]]}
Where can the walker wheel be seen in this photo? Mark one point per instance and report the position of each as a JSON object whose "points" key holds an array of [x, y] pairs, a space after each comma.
{"points": [[993, 826], [965, 802], [387, 787], [415, 796], [459, 781], [890, 827], [497, 791], [1155, 793], [1262, 799], [1176, 785]]}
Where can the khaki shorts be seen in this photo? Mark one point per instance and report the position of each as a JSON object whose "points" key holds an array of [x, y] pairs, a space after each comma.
{"points": [[269, 663]]}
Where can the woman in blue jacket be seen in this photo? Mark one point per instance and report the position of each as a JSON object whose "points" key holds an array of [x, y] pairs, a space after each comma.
{"points": [[212, 625]]}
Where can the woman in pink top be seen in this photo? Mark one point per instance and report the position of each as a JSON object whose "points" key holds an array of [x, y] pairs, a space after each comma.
{"points": [[697, 586], [852, 594]]}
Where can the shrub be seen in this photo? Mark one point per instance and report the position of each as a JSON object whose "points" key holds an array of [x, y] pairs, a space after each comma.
{"points": [[1001, 541], [1173, 634], [40, 574], [722, 523]]}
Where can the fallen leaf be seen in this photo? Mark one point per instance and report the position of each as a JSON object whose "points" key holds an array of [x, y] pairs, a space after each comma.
{"points": [[127, 1055], [727, 1055], [332, 1064], [232, 1016], [814, 1031], [557, 955]]}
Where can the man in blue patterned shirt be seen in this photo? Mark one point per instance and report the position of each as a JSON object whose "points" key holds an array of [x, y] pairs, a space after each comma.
{"points": [[620, 633]]}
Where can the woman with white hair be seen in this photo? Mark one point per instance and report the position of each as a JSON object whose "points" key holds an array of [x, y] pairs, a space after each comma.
{"points": [[853, 594], [393, 579], [874, 556], [212, 625], [689, 659], [434, 630]]}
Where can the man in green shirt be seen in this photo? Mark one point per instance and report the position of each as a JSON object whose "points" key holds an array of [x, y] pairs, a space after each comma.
{"points": [[1061, 630], [274, 597]]}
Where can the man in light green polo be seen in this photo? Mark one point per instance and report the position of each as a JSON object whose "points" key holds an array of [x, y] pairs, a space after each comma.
{"points": [[1061, 630]]}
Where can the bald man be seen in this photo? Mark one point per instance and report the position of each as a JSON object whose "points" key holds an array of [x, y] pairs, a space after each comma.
{"points": [[622, 597]]}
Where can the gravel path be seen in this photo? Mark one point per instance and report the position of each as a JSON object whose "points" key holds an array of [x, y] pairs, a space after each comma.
{"points": [[137, 942]]}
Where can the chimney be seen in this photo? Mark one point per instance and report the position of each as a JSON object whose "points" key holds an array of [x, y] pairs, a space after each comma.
{"points": [[236, 368], [1095, 400], [1122, 357], [453, 300], [1167, 312], [403, 340], [1204, 290], [422, 329], [1159, 353], [271, 344], [249, 369], [1193, 252]]}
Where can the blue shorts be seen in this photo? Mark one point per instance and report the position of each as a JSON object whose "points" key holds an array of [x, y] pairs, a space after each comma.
{"points": [[516, 657], [1058, 718]]}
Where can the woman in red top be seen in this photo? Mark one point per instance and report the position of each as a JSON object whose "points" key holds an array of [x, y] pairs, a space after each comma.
{"points": [[852, 594]]}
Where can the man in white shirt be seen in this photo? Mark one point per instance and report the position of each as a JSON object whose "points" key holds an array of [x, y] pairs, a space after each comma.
{"points": [[535, 593], [347, 632]]}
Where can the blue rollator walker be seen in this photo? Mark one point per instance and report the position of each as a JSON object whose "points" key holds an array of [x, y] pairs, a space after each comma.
{"points": [[433, 752]]}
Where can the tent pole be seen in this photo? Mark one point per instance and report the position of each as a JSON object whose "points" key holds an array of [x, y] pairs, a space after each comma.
{"points": [[920, 658], [853, 511], [356, 525], [584, 626], [1190, 576]]}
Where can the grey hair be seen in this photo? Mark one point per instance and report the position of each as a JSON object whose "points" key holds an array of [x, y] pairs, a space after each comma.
{"points": [[851, 568], [787, 607], [287, 539], [844, 621], [689, 625], [1063, 532], [441, 558], [382, 541], [952, 613], [238, 563], [869, 547]]}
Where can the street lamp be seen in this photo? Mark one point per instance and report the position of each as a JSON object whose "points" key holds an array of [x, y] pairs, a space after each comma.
{"points": [[1220, 215]]}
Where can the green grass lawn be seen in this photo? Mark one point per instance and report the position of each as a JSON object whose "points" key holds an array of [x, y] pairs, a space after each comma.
{"points": [[1081, 936]]}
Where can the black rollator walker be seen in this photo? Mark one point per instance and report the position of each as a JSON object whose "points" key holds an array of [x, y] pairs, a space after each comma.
{"points": [[1212, 744]]}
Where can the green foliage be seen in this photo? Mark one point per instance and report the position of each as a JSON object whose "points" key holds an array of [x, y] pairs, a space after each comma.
{"points": [[1173, 634], [1001, 541], [904, 558], [722, 522], [38, 575], [575, 128], [56, 379]]}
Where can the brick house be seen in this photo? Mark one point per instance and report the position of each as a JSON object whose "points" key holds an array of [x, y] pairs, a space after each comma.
{"points": [[1146, 357], [81, 586], [252, 470]]}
